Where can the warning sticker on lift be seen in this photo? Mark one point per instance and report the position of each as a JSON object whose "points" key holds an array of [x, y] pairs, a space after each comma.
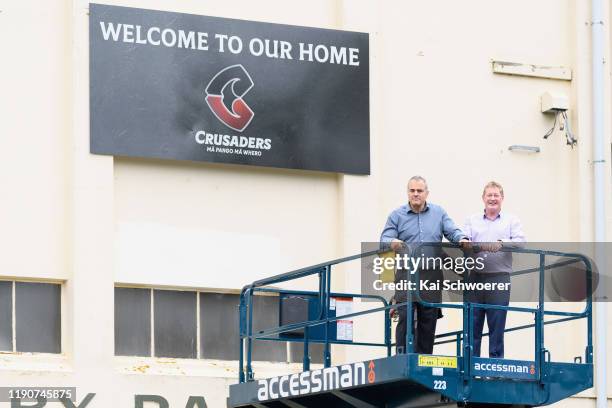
{"points": [[344, 327], [438, 361]]}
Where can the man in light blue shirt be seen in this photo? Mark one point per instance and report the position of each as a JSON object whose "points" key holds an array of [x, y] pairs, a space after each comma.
{"points": [[490, 231], [417, 222]]}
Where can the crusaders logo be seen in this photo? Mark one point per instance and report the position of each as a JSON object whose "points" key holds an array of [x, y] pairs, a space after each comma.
{"points": [[224, 95]]}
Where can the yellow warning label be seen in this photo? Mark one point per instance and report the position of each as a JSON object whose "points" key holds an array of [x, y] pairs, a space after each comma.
{"points": [[438, 361]]}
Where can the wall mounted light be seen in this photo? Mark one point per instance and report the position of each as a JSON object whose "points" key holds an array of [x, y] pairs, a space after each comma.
{"points": [[522, 148]]}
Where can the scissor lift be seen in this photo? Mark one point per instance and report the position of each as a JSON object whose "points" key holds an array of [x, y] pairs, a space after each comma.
{"points": [[411, 380]]}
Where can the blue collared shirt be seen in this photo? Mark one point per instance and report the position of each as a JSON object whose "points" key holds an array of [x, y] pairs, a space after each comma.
{"points": [[506, 228], [429, 225]]}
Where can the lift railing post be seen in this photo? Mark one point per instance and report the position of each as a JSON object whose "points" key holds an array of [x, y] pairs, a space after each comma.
{"points": [[322, 277], [306, 358], [409, 348], [322, 302], [241, 331], [539, 323], [458, 339], [468, 338], [466, 361], [410, 277], [327, 352], [388, 331], [588, 358], [249, 369]]}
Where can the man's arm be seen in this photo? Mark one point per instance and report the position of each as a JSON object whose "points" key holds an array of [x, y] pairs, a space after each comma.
{"points": [[450, 230], [390, 234]]}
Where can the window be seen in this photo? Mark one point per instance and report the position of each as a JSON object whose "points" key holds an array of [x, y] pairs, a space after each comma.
{"points": [[170, 323], [159, 323], [6, 316], [219, 327], [220, 311], [30, 317], [175, 323], [132, 322]]}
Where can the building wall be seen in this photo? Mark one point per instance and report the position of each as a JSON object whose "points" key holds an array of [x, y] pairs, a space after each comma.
{"points": [[91, 222]]}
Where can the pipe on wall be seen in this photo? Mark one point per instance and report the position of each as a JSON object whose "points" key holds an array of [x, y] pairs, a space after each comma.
{"points": [[598, 43]]}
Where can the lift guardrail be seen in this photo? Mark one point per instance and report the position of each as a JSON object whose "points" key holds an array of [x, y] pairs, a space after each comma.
{"points": [[463, 338]]}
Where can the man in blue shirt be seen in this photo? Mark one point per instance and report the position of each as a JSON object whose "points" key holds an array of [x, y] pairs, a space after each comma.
{"points": [[414, 223]]}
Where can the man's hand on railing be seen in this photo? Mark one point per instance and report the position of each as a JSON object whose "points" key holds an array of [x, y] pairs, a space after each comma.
{"points": [[397, 245], [465, 243], [490, 246]]}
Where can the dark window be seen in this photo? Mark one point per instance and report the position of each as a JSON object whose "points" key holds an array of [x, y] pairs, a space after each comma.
{"points": [[6, 316], [175, 326], [38, 317], [219, 326], [175, 323], [132, 322], [265, 316]]}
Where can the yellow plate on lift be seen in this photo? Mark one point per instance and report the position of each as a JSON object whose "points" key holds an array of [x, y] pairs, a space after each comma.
{"points": [[438, 361]]}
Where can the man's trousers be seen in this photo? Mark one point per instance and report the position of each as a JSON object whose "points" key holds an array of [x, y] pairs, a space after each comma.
{"points": [[425, 331], [496, 319]]}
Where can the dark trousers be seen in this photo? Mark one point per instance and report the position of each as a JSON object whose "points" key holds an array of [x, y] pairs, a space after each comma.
{"points": [[496, 319], [425, 332]]}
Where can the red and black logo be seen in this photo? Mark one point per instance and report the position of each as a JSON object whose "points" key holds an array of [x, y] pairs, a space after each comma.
{"points": [[224, 95]]}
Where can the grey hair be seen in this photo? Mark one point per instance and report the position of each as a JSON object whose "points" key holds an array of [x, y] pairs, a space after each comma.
{"points": [[419, 178]]}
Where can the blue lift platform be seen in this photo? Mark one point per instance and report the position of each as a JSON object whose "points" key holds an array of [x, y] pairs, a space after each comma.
{"points": [[410, 380]]}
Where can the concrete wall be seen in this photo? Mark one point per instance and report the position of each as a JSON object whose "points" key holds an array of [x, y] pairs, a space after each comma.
{"points": [[436, 109]]}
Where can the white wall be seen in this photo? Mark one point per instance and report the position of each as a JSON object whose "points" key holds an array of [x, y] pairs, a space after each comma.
{"points": [[36, 112], [219, 226], [436, 110]]}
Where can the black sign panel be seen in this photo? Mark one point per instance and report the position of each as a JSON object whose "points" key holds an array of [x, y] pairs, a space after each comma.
{"points": [[188, 87]]}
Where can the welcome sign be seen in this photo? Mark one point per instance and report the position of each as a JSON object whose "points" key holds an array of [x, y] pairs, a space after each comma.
{"points": [[188, 87]]}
